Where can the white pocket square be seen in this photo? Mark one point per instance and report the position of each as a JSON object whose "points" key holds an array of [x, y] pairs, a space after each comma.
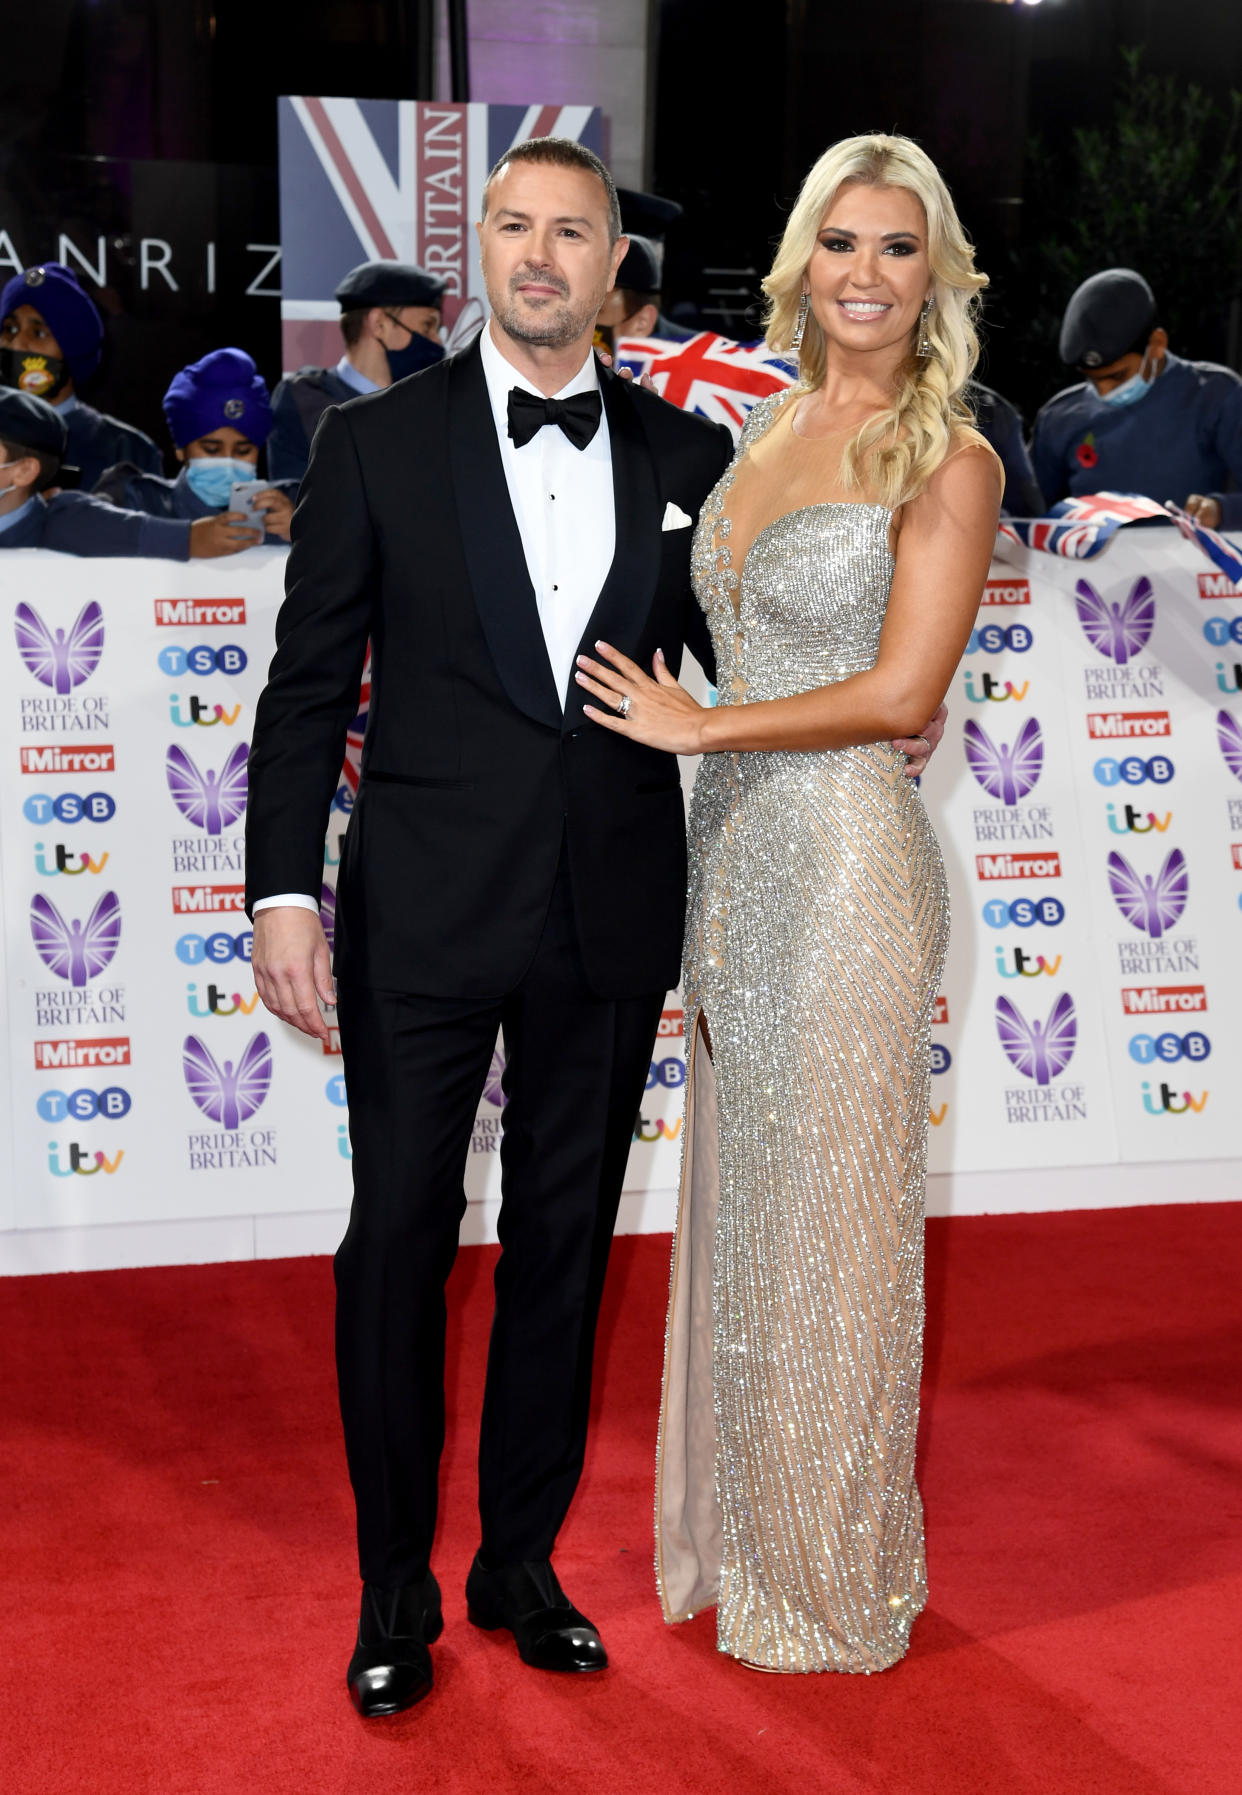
{"points": [[675, 518]]}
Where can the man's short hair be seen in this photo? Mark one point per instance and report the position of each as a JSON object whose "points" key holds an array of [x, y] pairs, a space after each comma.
{"points": [[49, 465], [352, 323], [633, 301], [563, 152]]}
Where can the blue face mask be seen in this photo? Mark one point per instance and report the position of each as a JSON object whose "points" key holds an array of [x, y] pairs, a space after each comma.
{"points": [[1130, 391], [211, 478]]}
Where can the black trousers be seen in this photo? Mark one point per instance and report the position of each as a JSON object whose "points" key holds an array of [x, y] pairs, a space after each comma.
{"points": [[415, 1068]]}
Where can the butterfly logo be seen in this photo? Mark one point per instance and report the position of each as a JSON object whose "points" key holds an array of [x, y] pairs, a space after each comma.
{"points": [[1005, 772], [1229, 736], [327, 915], [1152, 905], [1039, 1050], [71, 949], [493, 1088], [1118, 631], [211, 801], [227, 1094], [56, 659]]}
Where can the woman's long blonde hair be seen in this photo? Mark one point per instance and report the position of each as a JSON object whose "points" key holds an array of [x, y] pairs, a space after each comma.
{"points": [[893, 455]]}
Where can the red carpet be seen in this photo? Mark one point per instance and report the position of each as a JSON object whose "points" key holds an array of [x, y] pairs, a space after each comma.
{"points": [[178, 1541]]}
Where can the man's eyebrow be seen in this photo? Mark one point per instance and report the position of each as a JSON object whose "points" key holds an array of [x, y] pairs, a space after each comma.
{"points": [[524, 217], [888, 237]]}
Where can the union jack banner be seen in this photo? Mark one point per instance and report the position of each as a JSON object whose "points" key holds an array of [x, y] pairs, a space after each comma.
{"points": [[716, 377], [351, 772], [1082, 527], [391, 180]]}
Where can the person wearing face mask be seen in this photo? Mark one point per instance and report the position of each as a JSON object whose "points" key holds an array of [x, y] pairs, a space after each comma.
{"points": [[51, 337], [390, 320], [1141, 419], [34, 513], [219, 417]]}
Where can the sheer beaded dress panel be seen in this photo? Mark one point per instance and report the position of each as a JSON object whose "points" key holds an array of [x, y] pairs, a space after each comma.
{"points": [[817, 926]]}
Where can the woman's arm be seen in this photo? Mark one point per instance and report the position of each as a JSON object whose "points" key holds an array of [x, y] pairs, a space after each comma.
{"points": [[944, 548]]}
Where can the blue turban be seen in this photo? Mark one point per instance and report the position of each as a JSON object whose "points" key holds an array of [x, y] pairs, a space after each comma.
{"points": [[224, 388], [68, 311]]}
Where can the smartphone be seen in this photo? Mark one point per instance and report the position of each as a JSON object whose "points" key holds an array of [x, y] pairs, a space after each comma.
{"points": [[243, 496]]}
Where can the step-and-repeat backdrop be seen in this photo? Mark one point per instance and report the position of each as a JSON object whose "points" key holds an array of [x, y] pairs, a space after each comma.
{"points": [[1088, 798]]}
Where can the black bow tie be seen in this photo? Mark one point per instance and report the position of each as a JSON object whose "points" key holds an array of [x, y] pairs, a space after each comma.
{"points": [[578, 416]]}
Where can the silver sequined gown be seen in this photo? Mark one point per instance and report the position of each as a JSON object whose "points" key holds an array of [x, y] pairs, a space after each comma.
{"points": [[816, 934]]}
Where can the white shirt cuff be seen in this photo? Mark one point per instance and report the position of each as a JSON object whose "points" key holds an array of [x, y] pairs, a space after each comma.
{"points": [[296, 900]]}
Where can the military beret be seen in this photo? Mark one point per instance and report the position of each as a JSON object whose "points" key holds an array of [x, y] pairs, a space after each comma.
{"points": [[1106, 317], [66, 308], [646, 213], [223, 388], [640, 271], [32, 423], [389, 283]]}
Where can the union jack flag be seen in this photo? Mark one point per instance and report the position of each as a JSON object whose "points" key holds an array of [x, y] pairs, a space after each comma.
{"points": [[716, 377], [1082, 528], [351, 772], [391, 180]]}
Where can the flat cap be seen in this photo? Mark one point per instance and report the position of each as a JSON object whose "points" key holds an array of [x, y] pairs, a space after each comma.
{"points": [[640, 271], [389, 283], [31, 422], [1106, 317]]}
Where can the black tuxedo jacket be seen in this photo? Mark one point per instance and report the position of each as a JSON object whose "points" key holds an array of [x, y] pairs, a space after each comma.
{"points": [[472, 772]]}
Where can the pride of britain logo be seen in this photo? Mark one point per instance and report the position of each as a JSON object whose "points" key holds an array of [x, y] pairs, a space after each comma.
{"points": [[1118, 631], [72, 949], [58, 658], [228, 1093], [1006, 771], [1038, 1050], [1229, 739], [1152, 902], [211, 800]]}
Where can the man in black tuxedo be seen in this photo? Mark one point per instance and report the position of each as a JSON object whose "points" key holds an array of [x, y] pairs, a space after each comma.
{"points": [[507, 865]]}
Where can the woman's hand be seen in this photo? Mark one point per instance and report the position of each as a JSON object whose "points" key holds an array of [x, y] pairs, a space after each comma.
{"points": [[660, 713]]}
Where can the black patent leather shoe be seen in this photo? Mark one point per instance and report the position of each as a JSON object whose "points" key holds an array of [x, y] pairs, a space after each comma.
{"points": [[391, 1666], [527, 1600]]}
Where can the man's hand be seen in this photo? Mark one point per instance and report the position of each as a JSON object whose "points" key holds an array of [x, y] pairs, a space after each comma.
{"points": [[223, 534], [1204, 511], [291, 967], [277, 509], [919, 748]]}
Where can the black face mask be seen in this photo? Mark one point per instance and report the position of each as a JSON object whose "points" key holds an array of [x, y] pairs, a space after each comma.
{"points": [[419, 352], [43, 376]]}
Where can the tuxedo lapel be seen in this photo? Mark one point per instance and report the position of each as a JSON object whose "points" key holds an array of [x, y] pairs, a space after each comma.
{"points": [[492, 544], [626, 595]]}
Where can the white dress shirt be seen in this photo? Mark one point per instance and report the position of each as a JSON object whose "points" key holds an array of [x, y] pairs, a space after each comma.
{"points": [[562, 502]]}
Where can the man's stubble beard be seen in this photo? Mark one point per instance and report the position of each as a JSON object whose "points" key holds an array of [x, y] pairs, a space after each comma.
{"points": [[555, 329]]}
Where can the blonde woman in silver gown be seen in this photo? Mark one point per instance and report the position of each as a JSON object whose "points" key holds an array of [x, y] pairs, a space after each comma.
{"points": [[840, 561]]}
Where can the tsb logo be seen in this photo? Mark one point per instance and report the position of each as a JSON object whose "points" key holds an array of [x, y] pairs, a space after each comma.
{"points": [[670, 1072], [1023, 913], [84, 1105], [202, 660], [995, 638], [68, 807], [1219, 630], [941, 1058], [1169, 1047], [1134, 770], [192, 950]]}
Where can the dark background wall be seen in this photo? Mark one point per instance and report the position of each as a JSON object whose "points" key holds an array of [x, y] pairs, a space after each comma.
{"points": [[146, 131]]}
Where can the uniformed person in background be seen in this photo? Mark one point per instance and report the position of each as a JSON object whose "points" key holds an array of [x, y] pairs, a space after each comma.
{"points": [[390, 320], [34, 513], [1000, 424], [219, 417], [648, 216], [632, 309], [1142, 420], [51, 337]]}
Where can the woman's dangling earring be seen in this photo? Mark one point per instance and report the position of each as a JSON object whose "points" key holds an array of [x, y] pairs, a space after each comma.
{"points": [[925, 344], [804, 306]]}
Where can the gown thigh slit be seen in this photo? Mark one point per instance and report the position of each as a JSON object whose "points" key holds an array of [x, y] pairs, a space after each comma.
{"points": [[817, 925]]}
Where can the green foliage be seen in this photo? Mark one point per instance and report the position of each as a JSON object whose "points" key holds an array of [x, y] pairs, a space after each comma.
{"points": [[1156, 188]]}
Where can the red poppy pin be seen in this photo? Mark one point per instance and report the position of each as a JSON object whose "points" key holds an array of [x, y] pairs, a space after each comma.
{"points": [[1085, 454]]}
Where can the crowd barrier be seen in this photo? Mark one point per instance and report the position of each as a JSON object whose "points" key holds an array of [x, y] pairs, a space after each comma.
{"points": [[1088, 799]]}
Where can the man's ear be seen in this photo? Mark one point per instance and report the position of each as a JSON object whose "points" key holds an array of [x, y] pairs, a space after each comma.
{"points": [[24, 471], [642, 324], [1158, 343], [620, 250]]}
